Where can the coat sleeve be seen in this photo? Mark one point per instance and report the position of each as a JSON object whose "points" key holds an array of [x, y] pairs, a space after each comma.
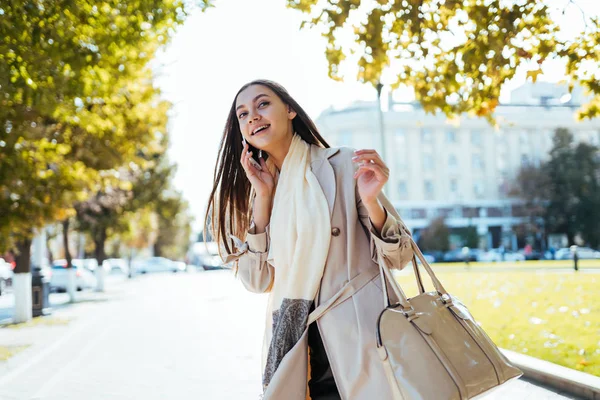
{"points": [[393, 242], [253, 269]]}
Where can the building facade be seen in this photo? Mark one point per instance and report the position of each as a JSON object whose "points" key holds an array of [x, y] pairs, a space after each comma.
{"points": [[462, 171]]}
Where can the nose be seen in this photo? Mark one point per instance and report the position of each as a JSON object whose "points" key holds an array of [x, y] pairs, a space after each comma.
{"points": [[253, 117]]}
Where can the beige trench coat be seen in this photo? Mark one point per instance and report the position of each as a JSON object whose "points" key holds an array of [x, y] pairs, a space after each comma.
{"points": [[348, 330]]}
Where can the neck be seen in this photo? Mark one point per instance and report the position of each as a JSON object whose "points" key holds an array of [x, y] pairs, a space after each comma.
{"points": [[278, 155]]}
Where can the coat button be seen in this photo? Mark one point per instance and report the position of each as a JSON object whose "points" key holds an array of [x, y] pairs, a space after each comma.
{"points": [[335, 231]]}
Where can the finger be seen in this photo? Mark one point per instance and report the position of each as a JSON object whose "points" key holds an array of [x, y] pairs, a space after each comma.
{"points": [[365, 151], [361, 172], [244, 152], [372, 158], [376, 169], [263, 164]]}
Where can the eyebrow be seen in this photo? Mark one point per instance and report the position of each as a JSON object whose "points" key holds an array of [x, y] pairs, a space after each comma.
{"points": [[253, 100]]}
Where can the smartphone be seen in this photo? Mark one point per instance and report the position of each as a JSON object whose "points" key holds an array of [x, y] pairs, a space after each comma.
{"points": [[252, 160]]}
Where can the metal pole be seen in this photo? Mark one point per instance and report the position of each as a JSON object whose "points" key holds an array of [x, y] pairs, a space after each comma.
{"points": [[379, 88]]}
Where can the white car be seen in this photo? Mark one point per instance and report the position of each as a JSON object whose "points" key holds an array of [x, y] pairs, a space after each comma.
{"points": [[583, 253], [157, 264], [495, 255], [84, 278], [6, 275], [206, 256], [116, 265]]}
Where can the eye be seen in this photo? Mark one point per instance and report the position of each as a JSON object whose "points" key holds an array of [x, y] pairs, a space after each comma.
{"points": [[266, 103], [242, 115]]}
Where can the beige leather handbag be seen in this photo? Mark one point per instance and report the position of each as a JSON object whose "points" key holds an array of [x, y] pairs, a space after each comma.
{"points": [[432, 348]]}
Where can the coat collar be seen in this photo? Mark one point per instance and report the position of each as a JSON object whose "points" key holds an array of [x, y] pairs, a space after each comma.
{"points": [[321, 167]]}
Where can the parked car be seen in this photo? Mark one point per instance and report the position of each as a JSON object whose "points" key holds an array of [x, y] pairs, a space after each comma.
{"points": [[116, 266], [495, 255], [206, 256], [6, 275], [157, 264], [532, 255], [84, 278], [457, 255], [584, 253]]}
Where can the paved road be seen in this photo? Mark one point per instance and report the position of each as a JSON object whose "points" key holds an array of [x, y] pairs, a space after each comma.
{"points": [[185, 336]]}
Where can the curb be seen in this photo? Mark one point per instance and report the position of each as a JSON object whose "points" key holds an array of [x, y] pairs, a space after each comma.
{"points": [[561, 378]]}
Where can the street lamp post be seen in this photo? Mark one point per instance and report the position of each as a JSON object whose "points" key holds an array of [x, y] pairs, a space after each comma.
{"points": [[379, 88]]}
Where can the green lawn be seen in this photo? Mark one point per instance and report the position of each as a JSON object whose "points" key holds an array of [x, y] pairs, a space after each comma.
{"points": [[550, 315]]}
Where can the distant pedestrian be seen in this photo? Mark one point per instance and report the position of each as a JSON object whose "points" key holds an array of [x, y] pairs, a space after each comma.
{"points": [[314, 218]]}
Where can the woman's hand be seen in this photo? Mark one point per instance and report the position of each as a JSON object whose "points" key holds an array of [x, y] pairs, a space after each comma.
{"points": [[371, 175], [262, 181]]}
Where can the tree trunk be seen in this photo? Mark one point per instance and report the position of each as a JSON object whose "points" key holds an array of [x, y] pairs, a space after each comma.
{"points": [[65, 232], [23, 257], [22, 282], [71, 273], [157, 250], [99, 241]]}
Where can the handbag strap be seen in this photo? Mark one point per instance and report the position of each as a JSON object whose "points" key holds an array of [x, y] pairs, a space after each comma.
{"points": [[347, 291]]}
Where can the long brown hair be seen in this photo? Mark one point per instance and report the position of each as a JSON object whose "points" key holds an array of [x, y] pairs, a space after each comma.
{"points": [[229, 203]]}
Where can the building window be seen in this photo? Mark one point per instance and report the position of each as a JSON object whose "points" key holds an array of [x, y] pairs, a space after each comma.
{"points": [[426, 136], [478, 189], [501, 163], [451, 137], [477, 162], [428, 189], [523, 138], [453, 185], [476, 138], [427, 162], [402, 189], [494, 212], [418, 213], [452, 161], [400, 137]]}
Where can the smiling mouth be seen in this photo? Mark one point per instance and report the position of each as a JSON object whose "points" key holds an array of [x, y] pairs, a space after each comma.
{"points": [[260, 129]]}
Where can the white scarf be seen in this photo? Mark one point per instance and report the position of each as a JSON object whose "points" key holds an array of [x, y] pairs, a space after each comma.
{"points": [[300, 235]]}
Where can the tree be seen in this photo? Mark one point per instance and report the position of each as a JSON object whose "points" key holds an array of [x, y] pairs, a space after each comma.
{"points": [[456, 54], [65, 78], [174, 226], [71, 75], [436, 237], [565, 190], [587, 191], [562, 173]]}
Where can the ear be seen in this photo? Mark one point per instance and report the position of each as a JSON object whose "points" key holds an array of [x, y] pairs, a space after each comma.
{"points": [[291, 113]]}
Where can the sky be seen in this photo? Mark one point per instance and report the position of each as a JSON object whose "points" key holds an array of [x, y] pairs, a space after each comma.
{"points": [[217, 51]]}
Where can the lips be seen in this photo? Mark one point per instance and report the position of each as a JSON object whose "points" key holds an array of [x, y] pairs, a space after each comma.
{"points": [[260, 129]]}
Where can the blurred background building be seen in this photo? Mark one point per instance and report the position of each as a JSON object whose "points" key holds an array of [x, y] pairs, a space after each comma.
{"points": [[462, 171]]}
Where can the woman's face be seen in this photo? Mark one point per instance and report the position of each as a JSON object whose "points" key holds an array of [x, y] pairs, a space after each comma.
{"points": [[265, 120]]}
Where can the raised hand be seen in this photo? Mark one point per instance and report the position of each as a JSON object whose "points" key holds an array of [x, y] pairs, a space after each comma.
{"points": [[371, 175], [262, 181]]}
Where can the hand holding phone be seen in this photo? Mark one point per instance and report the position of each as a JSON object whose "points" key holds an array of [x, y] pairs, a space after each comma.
{"points": [[252, 160]]}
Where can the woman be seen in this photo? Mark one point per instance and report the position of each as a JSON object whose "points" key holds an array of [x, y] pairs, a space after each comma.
{"points": [[315, 222]]}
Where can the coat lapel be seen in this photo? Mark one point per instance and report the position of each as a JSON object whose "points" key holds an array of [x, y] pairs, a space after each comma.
{"points": [[321, 167]]}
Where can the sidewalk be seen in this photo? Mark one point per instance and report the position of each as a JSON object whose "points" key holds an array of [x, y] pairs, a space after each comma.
{"points": [[156, 337]]}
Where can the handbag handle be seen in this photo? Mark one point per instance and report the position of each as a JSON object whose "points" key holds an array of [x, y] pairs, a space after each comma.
{"points": [[386, 274]]}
